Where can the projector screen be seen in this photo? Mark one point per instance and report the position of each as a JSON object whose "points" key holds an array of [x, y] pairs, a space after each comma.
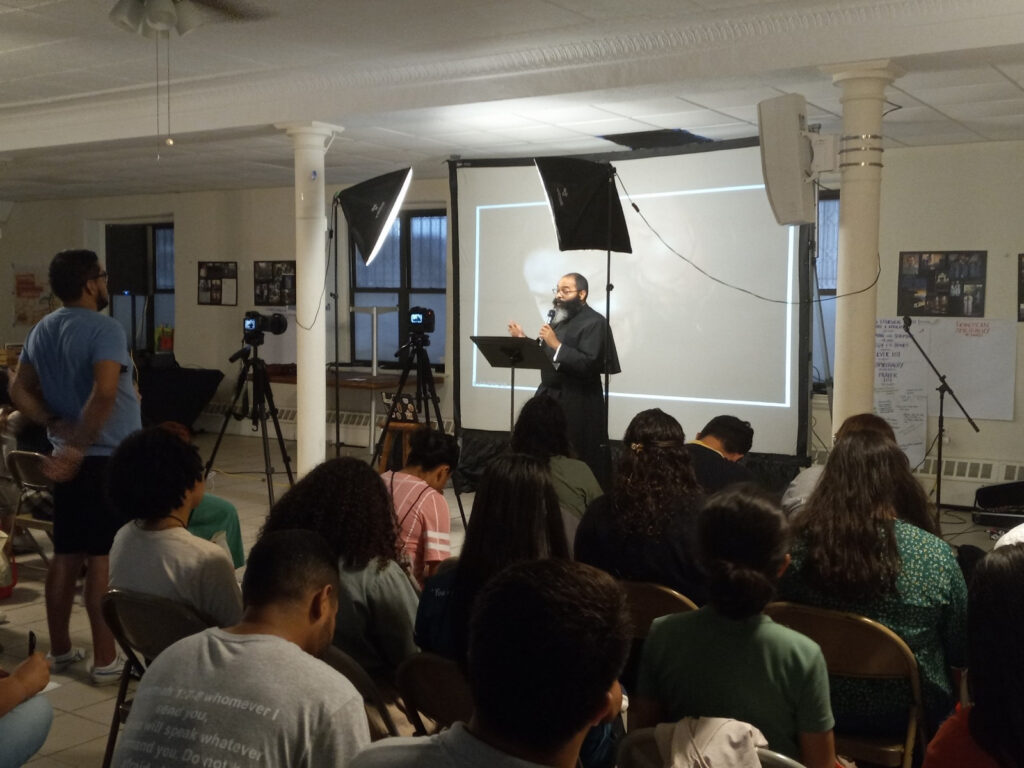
{"points": [[687, 344]]}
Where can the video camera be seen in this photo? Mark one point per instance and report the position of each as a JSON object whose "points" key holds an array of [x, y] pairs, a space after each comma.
{"points": [[421, 320], [254, 325]]}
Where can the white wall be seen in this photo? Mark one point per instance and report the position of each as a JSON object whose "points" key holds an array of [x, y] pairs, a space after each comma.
{"points": [[965, 196], [960, 197], [243, 225]]}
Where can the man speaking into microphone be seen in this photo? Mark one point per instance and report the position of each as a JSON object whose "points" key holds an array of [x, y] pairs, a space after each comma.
{"points": [[574, 339]]}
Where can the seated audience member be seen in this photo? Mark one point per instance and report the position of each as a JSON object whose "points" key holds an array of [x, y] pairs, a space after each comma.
{"points": [[911, 499], [254, 693], [346, 502], [215, 519], [854, 550], [644, 530], [515, 517], [542, 672], [715, 453], [424, 521], [155, 481], [990, 733], [25, 716], [542, 431], [730, 660]]}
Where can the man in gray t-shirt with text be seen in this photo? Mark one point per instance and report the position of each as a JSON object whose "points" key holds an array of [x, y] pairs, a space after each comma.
{"points": [[254, 694]]}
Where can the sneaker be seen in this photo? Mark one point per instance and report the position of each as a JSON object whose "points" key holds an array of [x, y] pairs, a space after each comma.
{"points": [[62, 661], [109, 674]]}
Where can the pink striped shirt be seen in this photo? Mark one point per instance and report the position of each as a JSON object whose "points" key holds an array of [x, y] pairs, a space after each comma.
{"points": [[424, 522]]}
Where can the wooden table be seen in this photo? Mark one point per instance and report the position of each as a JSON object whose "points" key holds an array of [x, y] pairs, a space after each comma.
{"points": [[347, 379]]}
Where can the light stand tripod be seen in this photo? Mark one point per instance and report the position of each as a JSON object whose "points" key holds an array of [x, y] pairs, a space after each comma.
{"points": [[255, 368]]}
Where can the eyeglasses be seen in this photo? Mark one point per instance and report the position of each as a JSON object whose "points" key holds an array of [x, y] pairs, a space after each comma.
{"points": [[100, 276], [562, 292]]}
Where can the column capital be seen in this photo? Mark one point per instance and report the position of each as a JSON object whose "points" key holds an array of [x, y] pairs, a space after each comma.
{"points": [[872, 69], [311, 128]]}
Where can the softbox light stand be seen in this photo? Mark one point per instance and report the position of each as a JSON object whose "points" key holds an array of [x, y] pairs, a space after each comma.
{"points": [[370, 209], [588, 217]]}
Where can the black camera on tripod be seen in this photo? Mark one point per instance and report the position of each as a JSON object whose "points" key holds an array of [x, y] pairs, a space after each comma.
{"points": [[421, 320], [255, 324]]}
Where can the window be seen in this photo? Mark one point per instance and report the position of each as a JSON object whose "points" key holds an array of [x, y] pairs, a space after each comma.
{"points": [[823, 316], [140, 262], [411, 270]]}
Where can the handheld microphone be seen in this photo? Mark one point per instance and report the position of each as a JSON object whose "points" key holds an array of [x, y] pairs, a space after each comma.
{"points": [[906, 322], [551, 316]]}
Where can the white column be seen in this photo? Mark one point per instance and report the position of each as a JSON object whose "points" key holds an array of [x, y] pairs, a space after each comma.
{"points": [[308, 140], [860, 163]]}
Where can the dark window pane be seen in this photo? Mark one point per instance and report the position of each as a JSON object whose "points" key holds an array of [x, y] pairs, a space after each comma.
{"points": [[428, 251], [386, 270], [163, 247], [387, 327]]}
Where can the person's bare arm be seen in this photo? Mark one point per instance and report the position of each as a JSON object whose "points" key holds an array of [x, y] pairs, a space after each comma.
{"points": [[643, 712], [97, 409], [27, 679], [818, 750], [27, 394]]}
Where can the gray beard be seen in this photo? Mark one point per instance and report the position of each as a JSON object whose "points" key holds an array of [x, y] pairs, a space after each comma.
{"points": [[561, 315]]}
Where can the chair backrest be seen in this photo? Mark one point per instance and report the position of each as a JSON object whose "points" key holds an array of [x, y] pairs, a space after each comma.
{"points": [[145, 625], [360, 678], [26, 467], [434, 686], [647, 602], [858, 647]]}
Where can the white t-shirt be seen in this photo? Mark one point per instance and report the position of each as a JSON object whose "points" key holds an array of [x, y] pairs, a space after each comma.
{"points": [[453, 748], [218, 698], [175, 564]]}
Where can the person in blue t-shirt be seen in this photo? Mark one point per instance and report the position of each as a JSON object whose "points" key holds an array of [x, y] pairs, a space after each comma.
{"points": [[75, 376]]}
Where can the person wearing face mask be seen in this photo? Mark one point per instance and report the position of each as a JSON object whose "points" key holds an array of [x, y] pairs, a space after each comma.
{"points": [[574, 338]]}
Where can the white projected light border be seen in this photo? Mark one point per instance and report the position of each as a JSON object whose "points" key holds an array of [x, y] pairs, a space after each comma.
{"points": [[687, 344]]}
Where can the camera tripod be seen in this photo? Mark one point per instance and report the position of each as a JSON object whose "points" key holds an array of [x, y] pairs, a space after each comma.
{"points": [[255, 368], [426, 394]]}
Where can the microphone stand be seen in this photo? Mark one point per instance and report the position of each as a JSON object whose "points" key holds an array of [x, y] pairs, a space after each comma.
{"points": [[942, 389]]}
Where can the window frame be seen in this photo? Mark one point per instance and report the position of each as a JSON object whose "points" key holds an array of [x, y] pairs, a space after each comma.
{"points": [[404, 290]]}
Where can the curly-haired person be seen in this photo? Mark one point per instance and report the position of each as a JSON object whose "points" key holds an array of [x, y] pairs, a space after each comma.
{"points": [[347, 503], [155, 481], [644, 530]]}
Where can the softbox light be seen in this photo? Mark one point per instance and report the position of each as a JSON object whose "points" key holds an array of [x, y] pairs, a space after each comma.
{"points": [[370, 208], [586, 209]]}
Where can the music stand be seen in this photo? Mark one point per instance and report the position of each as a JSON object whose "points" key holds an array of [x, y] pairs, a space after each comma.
{"points": [[512, 352]]}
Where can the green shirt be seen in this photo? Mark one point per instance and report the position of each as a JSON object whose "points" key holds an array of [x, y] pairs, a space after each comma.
{"points": [[928, 610], [702, 664]]}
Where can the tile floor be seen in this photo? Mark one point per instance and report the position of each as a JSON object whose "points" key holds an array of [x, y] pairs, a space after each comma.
{"points": [[83, 712]]}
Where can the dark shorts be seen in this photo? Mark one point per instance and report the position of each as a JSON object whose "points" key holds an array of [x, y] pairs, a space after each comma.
{"points": [[83, 522]]}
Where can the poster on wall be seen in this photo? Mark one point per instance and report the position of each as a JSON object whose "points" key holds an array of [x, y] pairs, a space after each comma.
{"points": [[32, 297], [942, 283], [218, 282], [1020, 287], [274, 283]]}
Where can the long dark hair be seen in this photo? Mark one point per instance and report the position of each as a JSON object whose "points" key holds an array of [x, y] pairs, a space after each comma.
{"points": [[515, 517], [347, 503], [743, 541], [908, 499], [995, 636], [653, 471], [847, 524], [541, 429]]}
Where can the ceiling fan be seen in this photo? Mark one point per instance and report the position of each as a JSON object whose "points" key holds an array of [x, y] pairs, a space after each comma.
{"points": [[146, 17]]}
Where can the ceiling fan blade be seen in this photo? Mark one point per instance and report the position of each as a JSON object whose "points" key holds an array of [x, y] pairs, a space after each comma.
{"points": [[236, 10]]}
